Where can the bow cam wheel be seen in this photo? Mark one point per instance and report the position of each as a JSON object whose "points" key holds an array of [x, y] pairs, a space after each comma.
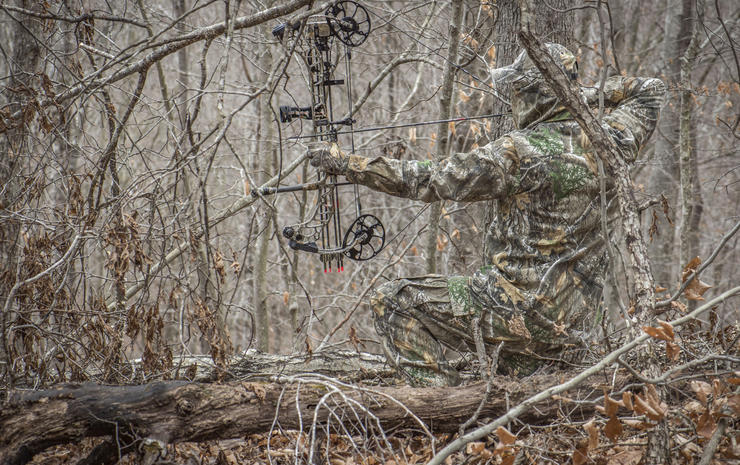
{"points": [[349, 22], [364, 239]]}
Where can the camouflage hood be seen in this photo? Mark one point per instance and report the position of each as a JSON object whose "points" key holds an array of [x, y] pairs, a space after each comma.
{"points": [[532, 100]]}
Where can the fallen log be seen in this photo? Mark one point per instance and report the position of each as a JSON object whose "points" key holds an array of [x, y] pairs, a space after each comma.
{"points": [[178, 411]]}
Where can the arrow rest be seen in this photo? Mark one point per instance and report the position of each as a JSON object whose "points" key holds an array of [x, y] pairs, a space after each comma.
{"points": [[349, 23]]}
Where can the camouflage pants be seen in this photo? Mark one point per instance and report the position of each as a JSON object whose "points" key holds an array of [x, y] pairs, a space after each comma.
{"points": [[419, 319]]}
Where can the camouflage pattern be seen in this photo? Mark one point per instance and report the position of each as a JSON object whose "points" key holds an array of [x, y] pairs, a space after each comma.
{"points": [[541, 288]]}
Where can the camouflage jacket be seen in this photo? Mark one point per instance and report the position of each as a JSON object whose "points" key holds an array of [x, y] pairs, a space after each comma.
{"points": [[544, 254]]}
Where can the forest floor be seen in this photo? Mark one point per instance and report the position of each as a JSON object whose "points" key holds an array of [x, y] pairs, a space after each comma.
{"points": [[697, 403]]}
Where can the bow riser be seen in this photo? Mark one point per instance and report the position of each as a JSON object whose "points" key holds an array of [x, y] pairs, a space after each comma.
{"points": [[345, 21]]}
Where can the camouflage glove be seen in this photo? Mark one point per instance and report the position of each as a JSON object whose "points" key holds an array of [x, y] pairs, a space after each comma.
{"points": [[328, 158]]}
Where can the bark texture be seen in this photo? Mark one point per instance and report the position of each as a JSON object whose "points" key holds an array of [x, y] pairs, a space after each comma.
{"points": [[177, 411]]}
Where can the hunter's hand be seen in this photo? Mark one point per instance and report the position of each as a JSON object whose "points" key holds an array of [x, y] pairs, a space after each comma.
{"points": [[327, 157]]}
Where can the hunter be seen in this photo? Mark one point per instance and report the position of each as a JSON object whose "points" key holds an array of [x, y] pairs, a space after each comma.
{"points": [[540, 289]]}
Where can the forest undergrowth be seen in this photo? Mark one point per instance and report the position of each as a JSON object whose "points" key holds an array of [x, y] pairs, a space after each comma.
{"points": [[604, 421]]}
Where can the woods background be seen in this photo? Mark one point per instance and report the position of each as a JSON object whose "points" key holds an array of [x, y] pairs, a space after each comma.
{"points": [[132, 133]]}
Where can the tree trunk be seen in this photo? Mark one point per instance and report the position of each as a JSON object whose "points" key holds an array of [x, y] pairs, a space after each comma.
{"points": [[445, 106], [177, 411], [690, 189], [264, 162], [664, 176], [22, 71]]}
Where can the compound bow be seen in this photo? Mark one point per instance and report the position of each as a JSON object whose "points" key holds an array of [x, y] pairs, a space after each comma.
{"points": [[348, 23]]}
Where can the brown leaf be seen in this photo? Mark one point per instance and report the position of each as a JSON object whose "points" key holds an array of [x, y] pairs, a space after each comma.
{"points": [[696, 288], [680, 306], [356, 341], [702, 390], [517, 327], [580, 454], [657, 333], [475, 448], [655, 403], [610, 406], [257, 388], [660, 289], [667, 329], [613, 428], [643, 408], [309, 350], [593, 434], [637, 424], [718, 387], [706, 425], [505, 436], [286, 297], [691, 266], [627, 400]]}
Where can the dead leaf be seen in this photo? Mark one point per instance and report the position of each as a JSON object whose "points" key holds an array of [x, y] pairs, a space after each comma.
{"points": [[257, 388], [643, 408], [702, 390], [637, 424], [696, 288], [718, 388], [580, 454], [613, 428], [610, 406], [517, 327], [627, 400], [706, 425], [475, 448], [657, 333], [505, 436], [667, 328], [653, 399], [593, 434], [680, 306]]}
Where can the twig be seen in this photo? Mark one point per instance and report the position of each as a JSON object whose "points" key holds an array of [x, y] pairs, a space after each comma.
{"points": [[711, 447], [525, 405], [489, 385], [699, 270]]}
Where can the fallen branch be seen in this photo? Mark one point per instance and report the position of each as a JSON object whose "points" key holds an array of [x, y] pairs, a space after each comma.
{"points": [[524, 407], [177, 411]]}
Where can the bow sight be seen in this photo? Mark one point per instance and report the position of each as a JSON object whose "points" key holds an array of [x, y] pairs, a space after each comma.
{"points": [[349, 23]]}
